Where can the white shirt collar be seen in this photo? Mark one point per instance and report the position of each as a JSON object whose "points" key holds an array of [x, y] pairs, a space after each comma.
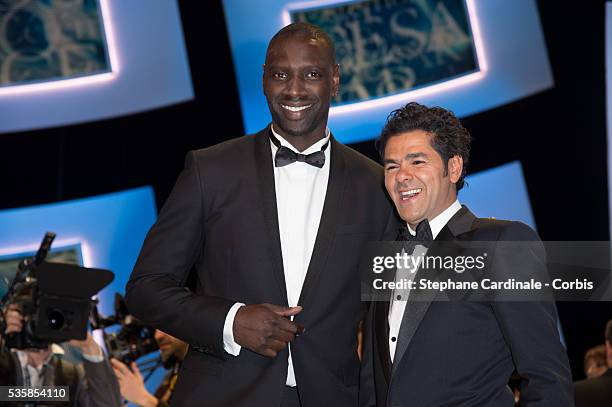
{"points": [[436, 224], [55, 350], [313, 148]]}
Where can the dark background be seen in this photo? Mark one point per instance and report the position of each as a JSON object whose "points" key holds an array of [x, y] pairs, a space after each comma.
{"points": [[558, 135]]}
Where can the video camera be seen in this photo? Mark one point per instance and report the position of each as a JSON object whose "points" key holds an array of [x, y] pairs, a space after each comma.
{"points": [[133, 340], [55, 299]]}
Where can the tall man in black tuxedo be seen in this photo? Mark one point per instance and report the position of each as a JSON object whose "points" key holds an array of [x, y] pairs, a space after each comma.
{"points": [[431, 353], [273, 224]]}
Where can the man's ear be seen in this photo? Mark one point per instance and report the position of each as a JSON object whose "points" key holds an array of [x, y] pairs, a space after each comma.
{"points": [[336, 80], [263, 78], [455, 168]]}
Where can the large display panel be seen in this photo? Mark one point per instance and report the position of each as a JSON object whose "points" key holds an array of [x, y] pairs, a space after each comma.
{"points": [[464, 55], [608, 43], [500, 192], [105, 231], [69, 62]]}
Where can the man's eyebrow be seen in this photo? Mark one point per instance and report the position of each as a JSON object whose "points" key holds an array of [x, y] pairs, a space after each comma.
{"points": [[389, 161], [415, 155], [273, 66], [407, 157]]}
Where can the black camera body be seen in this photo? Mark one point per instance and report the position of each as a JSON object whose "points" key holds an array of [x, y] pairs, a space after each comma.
{"points": [[55, 299], [133, 339]]}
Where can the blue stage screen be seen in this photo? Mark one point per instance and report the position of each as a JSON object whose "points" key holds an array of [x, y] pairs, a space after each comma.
{"points": [[467, 56], [500, 192], [107, 230], [71, 62]]}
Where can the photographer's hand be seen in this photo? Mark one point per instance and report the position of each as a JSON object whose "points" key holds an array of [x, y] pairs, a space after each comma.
{"points": [[131, 384], [14, 319], [88, 346]]}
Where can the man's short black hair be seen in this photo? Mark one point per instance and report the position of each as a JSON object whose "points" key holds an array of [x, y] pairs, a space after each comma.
{"points": [[448, 136], [609, 331], [306, 30]]}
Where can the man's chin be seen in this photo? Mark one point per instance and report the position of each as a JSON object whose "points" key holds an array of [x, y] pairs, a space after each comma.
{"points": [[293, 131], [294, 128], [411, 219]]}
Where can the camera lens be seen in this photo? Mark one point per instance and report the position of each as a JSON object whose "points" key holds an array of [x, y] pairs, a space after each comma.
{"points": [[56, 319]]}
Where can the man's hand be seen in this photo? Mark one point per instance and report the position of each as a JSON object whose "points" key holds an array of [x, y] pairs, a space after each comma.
{"points": [[266, 328], [88, 346], [14, 319], [131, 384]]}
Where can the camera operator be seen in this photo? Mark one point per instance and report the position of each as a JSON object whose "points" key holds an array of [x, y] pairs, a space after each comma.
{"points": [[91, 383], [172, 352]]}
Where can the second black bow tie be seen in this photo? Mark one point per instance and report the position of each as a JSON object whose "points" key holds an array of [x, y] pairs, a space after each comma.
{"points": [[423, 233], [285, 155]]}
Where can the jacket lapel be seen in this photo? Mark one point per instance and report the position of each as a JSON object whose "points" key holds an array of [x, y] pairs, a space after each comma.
{"points": [[381, 333], [329, 219], [267, 190], [420, 300]]}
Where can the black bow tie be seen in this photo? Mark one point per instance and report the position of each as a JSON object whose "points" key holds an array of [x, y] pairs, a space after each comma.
{"points": [[423, 233], [285, 155]]}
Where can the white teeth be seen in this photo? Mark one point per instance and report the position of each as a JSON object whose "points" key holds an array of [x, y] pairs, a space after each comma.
{"points": [[295, 108], [412, 192]]}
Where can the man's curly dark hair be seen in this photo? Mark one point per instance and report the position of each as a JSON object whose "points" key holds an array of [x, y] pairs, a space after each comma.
{"points": [[449, 137]]}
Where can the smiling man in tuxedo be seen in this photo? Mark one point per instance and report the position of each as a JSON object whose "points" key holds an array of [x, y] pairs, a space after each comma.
{"points": [[422, 352], [272, 223]]}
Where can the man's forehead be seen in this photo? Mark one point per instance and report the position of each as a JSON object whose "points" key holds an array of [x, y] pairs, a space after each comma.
{"points": [[412, 140], [415, 143], [290, 39]]}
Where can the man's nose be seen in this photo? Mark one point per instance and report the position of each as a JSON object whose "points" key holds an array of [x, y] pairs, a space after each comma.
{"points": [[296, 87], [405, 173]]}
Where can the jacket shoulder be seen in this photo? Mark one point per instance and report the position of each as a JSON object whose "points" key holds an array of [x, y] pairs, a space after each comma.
{"points": [[225, 156], [227, 148], [357, 161], [504, 229]]}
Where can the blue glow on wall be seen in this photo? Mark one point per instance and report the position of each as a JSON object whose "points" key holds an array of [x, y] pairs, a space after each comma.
{"points": [[149, 69], [499, 192], [109, 228], [513, 64]]}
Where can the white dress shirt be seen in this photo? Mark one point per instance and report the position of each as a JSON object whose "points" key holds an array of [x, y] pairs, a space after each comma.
{"points": [[33, 375], [300, 195], [397, 307]]}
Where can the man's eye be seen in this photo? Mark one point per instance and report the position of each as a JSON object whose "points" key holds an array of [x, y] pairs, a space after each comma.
{"points": [[417, 162], [390, 167], [279, 75], [313, 75]]}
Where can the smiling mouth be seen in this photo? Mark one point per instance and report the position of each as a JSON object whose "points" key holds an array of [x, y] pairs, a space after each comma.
{"points": [[295, 108], [411, 193]]}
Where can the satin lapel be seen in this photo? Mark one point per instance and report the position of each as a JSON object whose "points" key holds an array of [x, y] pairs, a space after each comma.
{"points": [[267, 191], [329, 220], [416, 308], [381, 331], [420, 300]]}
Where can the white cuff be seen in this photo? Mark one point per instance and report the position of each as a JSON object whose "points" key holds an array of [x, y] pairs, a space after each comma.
{"points": [[229, 344], [94, 358]]}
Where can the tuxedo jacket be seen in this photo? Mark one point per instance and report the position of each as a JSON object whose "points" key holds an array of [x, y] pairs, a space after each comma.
{"points": [[221, 217], [595, 392], [462, 353]]}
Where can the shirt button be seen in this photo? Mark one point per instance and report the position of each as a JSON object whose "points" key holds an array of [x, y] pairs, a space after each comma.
{"points": [[399, 297], [393, 339]]}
